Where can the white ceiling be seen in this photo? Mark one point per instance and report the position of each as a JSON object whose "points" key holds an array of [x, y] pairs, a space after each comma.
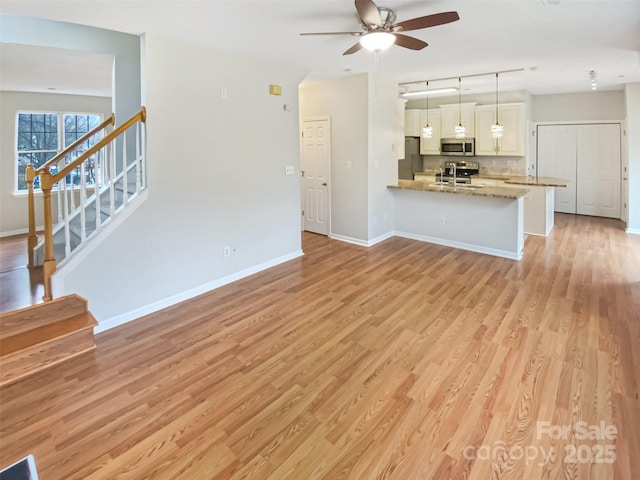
{"points": [[556, 42]]}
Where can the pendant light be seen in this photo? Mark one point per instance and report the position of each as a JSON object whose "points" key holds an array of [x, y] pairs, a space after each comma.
{"points": [[497, 130], [460, 131], [427, 131]]}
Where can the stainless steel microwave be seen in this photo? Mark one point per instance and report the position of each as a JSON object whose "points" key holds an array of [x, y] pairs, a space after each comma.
{"points": [[462, 147]]}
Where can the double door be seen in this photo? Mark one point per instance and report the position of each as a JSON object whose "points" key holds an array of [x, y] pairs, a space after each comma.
{"points": [[588, 158]]}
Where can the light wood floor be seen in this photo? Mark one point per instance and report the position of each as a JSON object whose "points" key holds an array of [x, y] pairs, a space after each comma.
{"points": [[19, 287], [403, 361]]}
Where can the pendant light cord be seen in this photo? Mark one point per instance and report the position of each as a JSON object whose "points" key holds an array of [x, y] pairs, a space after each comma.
{"points": [[459, 100], [497, 123]]}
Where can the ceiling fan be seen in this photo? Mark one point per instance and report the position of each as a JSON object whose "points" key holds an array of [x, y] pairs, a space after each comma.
{"points": [[379, 30]]}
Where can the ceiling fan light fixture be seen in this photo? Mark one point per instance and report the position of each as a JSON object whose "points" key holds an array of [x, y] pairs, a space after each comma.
{"points": [[377, 41]]}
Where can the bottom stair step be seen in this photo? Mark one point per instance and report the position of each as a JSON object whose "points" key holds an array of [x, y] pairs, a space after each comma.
{"points": [[38, 337]]}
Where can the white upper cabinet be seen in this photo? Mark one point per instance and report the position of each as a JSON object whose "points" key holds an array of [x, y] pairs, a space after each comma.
{"points": [[412, 127], [430, 146], [512, 118], [450, 119]]}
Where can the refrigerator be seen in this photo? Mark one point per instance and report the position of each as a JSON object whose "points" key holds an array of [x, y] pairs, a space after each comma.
{"points": [[412, 161]]}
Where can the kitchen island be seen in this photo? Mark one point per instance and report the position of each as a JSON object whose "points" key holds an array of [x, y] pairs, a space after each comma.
{"points": [[487, 219], [538, 203]]}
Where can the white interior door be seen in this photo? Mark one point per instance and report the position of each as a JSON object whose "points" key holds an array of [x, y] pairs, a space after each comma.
{"points": [[557, 157], [316, 160], [598, 175]]}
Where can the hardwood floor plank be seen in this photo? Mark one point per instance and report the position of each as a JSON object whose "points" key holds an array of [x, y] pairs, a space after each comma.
{"points": [[400, 361]]}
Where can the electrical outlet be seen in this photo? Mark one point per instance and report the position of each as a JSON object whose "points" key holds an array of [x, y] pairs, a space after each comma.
{"points": [[224, 93], [442, 221], [227, 251], [290, 170], [376, 164], [348, 164], [375, 220], [511, 163]]}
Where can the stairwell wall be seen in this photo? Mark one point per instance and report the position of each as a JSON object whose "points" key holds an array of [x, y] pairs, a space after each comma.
{"points": [[216, 178]]}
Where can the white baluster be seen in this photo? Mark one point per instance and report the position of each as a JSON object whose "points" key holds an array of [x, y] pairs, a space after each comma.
{"points": [[83, 202], [65, 214], [59, 197], [138, 159], [112, 178], [72, 176], [98, 183], [143, 173], [125, 188]]}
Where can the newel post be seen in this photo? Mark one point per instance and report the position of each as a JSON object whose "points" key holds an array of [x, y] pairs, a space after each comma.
{"points": [[32, 239], [49, 266]]}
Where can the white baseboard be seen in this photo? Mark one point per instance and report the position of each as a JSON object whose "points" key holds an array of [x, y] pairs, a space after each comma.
{"points": [[633, 230], [362, 243], [463, 246], [20, 231], [194, 292]]}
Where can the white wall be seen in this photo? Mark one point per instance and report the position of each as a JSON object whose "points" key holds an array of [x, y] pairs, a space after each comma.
{"points": [[124, 47], [383, 161], [345, 100], [216, 177], [13, 208], [632, 103], [578, 106]]}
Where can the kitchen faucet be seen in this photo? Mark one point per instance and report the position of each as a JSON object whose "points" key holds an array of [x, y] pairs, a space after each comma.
{"points": [[453, 165]]}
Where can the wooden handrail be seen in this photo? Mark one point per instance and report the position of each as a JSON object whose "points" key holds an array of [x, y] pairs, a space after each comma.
{"points": [[139, 116], [47, 180], [109, 121]]}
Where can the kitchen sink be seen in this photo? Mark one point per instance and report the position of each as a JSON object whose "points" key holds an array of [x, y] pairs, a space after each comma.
{"points": [[459, 185]]}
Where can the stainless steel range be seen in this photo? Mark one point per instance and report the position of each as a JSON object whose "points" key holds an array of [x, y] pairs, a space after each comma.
{"points": [[461, 172]]}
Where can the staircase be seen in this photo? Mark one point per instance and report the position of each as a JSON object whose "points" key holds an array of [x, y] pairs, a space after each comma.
{"points": [[91, 226], [37, 337], [92, 181]]}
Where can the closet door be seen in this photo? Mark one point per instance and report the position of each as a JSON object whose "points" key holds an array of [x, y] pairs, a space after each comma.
{"points": [[598, 173], [557, 157]]}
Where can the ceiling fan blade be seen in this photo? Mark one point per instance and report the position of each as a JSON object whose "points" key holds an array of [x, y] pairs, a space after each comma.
{"points": [[353, 49], [333, 33], [428, 21], [409, 42], [368, 12]]}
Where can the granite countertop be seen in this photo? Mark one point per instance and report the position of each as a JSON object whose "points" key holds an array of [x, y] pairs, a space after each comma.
{"points": [[529, 180], [488, 191], [536, 181]]}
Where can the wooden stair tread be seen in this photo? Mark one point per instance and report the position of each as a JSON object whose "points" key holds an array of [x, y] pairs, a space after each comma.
{"points": [[35, 316], [35, 338], [45, 333]]}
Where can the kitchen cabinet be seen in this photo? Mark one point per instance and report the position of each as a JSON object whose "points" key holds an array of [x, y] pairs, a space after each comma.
{"points": [[412, 127], [512, 118], [450, 119], [430, 146]]}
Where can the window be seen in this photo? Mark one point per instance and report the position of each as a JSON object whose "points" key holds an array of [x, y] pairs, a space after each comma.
{"points": [[41, 136]]}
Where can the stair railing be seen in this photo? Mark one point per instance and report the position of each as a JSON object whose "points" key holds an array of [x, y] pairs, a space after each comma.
{"points": [[31, 173], [109, 171]]}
